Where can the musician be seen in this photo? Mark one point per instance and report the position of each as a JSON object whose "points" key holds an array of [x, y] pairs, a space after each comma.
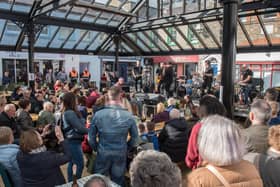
{"points": [[167, 79], [207, 77], [137, 74], [159, 73], [246, 82], [73, 75]]}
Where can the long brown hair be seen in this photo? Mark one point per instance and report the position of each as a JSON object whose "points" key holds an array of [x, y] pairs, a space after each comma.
{"points": [[70, 103]]}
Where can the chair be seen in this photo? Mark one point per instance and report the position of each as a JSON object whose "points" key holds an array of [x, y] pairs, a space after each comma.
{"points": [[5, 176]]}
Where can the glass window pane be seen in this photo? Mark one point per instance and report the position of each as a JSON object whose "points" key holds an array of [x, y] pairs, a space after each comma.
{"points": [[87, 39], [11, 34], [241, 38], [191, 6], [155, 39], [137, 41], [217, 30], [190, 36], [146, 40], [98, 41], [165, 8], [271, 22], [254, 29], [153, 9], [44, 38], [204, 35], [177, 7]]}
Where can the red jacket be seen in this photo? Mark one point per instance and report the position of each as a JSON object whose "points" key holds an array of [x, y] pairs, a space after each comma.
{"points": [[85, 145], [193, 159]]}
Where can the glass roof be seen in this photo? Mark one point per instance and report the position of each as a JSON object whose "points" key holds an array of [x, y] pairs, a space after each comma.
{"points": [[149, 27]]}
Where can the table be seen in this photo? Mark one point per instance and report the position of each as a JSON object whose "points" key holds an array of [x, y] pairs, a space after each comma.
{"points": [[83, 180], [34, 116]]}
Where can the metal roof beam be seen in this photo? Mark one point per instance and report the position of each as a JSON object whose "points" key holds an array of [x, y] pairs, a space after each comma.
{"points": [[104, 9], [47, 20]]}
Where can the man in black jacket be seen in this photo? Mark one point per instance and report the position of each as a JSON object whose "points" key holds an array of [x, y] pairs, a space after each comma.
{"points": [[173, 139], [7, 118]]}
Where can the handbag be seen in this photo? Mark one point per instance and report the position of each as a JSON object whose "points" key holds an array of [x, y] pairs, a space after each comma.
{"points": [[213, 170]]}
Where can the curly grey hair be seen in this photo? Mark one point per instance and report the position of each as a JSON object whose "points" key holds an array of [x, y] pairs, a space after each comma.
{"points": [[152, 168]]}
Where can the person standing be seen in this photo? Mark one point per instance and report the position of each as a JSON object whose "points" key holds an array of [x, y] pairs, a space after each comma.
{"points": [[62, 76], [111, 126], [168, 74], [85, 76], [74, 130], [245, 83], [207, 77], [6, 80], [73, 75], [159, 73], [137, 74]]}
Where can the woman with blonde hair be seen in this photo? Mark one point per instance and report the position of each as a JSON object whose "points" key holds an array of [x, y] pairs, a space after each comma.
{"points": [[221, 147]]}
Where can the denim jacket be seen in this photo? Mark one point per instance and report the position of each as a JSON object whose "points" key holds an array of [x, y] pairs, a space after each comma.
{"points": [[8, 157], [111, 126], [73, 127]]}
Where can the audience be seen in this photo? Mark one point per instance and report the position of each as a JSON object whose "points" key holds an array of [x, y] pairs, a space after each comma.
{"points": [[23, 116], [173, 138], [7, 118], [46, 116], [9, 154], [221, 147], [208, 105], [275, 118], [256, 135], [271, 94], [161, 115], [98, 180], [151, 135], [39, 167], [3, 102], [154, 169]]}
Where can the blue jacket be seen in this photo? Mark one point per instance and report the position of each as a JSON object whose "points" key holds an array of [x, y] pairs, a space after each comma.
{"points": [[8, 157], [152, 138], [73, 126], [111, 126], [43, 169]]}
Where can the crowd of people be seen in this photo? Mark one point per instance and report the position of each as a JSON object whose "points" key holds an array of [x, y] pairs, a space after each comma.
{"points": [[119, 143]]}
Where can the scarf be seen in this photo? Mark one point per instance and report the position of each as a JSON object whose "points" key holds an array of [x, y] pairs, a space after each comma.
{"points": [[38, 150]]}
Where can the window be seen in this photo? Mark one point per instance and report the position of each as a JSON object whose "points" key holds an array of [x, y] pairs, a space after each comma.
{"points": [[191, 37], [65, 32], [12, 28], [173, 33], [270, 15], [154, 40]]}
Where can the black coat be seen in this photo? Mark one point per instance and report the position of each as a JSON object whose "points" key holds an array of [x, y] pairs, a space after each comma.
{"points": [[173, 139], [5, 120], [43, 169]]}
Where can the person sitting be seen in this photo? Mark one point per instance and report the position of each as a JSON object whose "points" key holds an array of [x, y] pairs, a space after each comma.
{"points": [[209, 105], [173, 136], [153, 168], [17, 93], [23, 117], [161, 115], [275, 118], [142, 132], [221, 146], [6, 80], [38, 166], [46, 116], [8, 155], [256, 135], [7, 118], [268, 164], [271, 94], [151, 136], [98, 180], [164, 116]]}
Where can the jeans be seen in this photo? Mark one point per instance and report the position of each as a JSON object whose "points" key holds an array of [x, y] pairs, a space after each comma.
{"points": [[77, 158], [137, 81], [111, 164], [245, 92]]}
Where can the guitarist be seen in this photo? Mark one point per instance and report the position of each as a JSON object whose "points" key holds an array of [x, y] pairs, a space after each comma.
{"points": [[137, 74], [159, 79]]}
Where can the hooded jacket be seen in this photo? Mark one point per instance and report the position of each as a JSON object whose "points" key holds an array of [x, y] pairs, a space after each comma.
{"points": [[173, 139]]}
